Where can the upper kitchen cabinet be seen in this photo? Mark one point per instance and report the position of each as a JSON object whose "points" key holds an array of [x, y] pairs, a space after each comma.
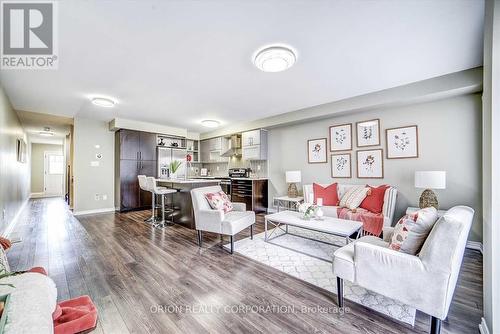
{"points": [[147, 146], [136, 145], [254, 145], [211, 150], [129, 144]]}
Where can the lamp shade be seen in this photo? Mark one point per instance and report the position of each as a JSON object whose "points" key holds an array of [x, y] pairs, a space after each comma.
{"points": [[430, 179], [293, 176]]}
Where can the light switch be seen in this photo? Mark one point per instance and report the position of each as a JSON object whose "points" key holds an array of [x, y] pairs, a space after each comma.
{"points": [[94, 164]]}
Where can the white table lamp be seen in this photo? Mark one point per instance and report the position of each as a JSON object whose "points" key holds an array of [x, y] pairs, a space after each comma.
{"points": [[430, 180], [293, 177]]}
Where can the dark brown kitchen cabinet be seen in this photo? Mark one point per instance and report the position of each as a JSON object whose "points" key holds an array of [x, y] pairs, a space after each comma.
{"points": [[147, 146], [251, 192], [135, 155], [129, 144]]}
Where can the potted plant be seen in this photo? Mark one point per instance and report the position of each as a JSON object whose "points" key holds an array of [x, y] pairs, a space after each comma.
{"points": [[174, 167]]}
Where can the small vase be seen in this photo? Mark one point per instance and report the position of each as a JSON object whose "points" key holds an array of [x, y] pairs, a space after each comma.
{"points": [[319, 214]]}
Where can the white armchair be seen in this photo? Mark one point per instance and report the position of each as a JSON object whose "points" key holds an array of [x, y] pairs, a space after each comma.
{"points": [[425, 281], [207, 219]]}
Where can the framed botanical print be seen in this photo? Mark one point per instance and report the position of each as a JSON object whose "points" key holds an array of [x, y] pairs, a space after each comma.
{"points": [[402, 142], [370, 164], [316, 151], [368, 133], [341, 137], [341, 165]]}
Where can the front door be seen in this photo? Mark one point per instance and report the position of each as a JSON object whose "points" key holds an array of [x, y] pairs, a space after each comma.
{"points": [[53, 173]]}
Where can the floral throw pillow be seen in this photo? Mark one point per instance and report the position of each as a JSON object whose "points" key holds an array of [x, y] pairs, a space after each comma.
{"points": [[219, 201], [412, 230]]}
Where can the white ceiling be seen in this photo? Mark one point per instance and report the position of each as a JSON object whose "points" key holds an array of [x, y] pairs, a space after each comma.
{"points": [[177, 63]]}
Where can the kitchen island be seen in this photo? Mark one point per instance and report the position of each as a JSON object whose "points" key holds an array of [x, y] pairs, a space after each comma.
{"points": [[182, 203]]}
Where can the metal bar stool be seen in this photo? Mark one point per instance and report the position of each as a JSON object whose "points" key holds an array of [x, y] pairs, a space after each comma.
{"points": [[161, 191]]}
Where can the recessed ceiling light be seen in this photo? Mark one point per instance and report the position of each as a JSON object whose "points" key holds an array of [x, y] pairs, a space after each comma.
{"points": [[103, 102], [210, 123], [275, 59]]}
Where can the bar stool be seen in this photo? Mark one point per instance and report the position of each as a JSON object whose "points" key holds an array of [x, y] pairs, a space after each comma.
{"points": [[162, 191], [143, 184]]}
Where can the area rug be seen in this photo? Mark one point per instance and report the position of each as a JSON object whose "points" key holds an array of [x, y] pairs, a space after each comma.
{"points": [[310, 260]]}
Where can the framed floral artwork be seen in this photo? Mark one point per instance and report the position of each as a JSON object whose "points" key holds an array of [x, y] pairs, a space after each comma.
{"points": [[402, 142], [316, 151], [341, 137], [370, 164], [341, 165], [368, 133]]}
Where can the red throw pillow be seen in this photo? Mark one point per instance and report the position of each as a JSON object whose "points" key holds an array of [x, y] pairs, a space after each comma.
{"points": [[374, 201], [329, 194]]}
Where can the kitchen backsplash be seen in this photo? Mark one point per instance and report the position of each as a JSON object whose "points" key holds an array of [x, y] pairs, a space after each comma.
{"points": [[258, 167]]}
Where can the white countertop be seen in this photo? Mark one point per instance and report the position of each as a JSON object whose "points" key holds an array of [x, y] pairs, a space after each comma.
{"points": [[181, 180]]}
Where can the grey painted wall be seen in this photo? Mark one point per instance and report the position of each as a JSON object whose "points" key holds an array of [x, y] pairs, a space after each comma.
{"points": [[37, 164], [14, 176], [491, 168], [90, 181], [449, 139]]}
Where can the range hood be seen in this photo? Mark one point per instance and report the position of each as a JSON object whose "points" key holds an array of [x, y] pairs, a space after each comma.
{"points": [[233, 145]]}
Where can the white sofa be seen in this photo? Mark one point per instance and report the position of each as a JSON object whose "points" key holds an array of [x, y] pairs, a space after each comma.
{"points": [[207, 219], [425, 281], [387, 210]]}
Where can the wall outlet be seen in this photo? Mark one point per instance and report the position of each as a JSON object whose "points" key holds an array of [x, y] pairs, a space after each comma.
{"points": [[4, 213], [218, 167], [96, 197], [258, 167], [104, 197]]}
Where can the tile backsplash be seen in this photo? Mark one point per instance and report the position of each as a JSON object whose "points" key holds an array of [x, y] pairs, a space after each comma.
{"points": [[258, 167]]}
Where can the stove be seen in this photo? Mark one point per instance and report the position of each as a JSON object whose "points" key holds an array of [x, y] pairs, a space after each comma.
{"points": [[239, 172]]}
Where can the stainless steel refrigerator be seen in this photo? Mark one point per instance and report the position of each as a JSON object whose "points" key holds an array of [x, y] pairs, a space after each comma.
{"points": [[165, 156]]}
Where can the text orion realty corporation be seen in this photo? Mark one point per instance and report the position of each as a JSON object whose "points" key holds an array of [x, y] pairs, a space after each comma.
{"points": [[29, 35]]}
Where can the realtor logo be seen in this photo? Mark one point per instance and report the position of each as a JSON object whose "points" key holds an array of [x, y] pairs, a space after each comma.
{"points": [[28, 35]]}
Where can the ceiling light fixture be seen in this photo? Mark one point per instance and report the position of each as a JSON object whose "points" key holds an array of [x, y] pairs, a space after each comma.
{"points": [[103, 102], [275, 58], [210, 123], [46, 132]]}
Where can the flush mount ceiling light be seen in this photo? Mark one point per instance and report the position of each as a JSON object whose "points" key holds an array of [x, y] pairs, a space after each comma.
{"points": [[210, 123], [46, 132], [103, 102], [275, 59]]}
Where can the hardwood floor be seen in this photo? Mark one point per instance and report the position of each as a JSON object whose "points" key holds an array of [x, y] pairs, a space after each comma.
{"points": [[142, 280]]}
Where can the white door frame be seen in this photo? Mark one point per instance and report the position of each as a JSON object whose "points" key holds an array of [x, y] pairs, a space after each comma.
{"points": [[45, 173]]}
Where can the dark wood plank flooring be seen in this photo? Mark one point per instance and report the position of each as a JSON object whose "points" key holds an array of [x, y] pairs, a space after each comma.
{"points": [[142, 280]]}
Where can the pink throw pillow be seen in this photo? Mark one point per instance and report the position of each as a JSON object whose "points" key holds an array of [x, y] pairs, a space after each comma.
{"points": [[219, 201]]}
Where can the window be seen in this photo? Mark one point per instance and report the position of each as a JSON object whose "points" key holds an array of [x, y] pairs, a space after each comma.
{"points": [[56, 164]]}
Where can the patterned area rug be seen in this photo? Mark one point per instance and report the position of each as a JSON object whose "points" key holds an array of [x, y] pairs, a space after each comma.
{"points": [[310, 260]]}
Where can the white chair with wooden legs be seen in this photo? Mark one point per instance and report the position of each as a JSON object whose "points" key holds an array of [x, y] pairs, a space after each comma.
{"points": [[160, 191]]}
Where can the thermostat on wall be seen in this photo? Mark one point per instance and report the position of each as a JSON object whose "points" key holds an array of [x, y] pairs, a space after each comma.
{"points": [[98, 156]]}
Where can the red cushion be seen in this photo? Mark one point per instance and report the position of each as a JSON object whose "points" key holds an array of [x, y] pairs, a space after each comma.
{"points": [[329, 194], [374, 201], [77, 315], [39, 270]]}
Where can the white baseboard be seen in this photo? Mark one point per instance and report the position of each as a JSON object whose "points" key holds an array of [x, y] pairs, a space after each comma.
{"points": [[483, 327], [42, 195], [13, 222], [476, 245], [91, 212]]}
